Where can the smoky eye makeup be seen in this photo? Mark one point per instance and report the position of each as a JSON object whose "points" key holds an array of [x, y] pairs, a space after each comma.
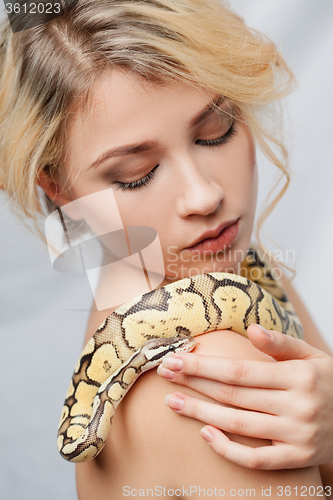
{"points": [[133, 172], [129, 169]]}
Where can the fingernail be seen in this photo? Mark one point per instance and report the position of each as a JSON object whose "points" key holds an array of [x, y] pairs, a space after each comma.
{"points": [[175, 364], [264, 330], [174, 402], [206, 434], [163, 372]]}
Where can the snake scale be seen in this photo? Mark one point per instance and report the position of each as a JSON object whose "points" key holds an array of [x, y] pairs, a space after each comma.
{"points": [[139, 334]]}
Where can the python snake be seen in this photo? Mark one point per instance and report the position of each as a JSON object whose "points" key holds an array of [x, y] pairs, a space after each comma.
{"points": [[139, 334]]}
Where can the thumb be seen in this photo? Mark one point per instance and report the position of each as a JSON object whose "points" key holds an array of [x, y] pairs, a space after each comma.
{"points": [[280, 346]]}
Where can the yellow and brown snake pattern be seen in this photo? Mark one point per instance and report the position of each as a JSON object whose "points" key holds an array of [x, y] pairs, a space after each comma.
{"points": [[137, 335]]}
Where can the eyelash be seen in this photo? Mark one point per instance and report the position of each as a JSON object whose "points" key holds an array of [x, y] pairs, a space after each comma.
{"points": [[136, 184], [227, 137]]}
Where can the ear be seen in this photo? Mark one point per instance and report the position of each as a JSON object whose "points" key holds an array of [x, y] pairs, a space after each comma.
{"points": [[55, 193]]}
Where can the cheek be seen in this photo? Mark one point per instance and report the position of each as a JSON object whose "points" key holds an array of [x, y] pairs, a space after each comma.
{"points": [[138, 212], [243, 163], [245, 149]]}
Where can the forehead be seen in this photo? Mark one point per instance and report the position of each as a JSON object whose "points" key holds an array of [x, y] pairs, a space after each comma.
{"points": [[122, 97], [125, 108]]}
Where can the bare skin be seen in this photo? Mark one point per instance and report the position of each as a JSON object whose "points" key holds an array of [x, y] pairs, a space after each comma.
{"points": [[159, 447], [195, 188], [305, 426], [137, 451]]}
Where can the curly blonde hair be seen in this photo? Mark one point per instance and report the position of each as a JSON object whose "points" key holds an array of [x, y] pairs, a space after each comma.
{"points": [[49, 71]]}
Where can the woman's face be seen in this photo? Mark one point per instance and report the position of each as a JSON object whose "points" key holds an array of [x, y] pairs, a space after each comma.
{"points": [[192, 170]]}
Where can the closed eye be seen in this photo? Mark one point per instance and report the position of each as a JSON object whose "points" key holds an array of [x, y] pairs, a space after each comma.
{"points": [[227, 137], [136, 184]]}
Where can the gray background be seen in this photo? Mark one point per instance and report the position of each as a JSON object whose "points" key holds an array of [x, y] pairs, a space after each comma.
{"points": [[44, 313]]}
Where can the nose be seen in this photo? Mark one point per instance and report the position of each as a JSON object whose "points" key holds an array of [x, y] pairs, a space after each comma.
{"points": [[198, 191]]}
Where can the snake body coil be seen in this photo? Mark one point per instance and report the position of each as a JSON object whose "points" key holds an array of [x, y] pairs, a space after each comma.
{"points": [[139, 334]]}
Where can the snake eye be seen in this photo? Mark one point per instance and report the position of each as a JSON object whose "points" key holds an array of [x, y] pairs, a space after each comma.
{"points": [[172, 348]]}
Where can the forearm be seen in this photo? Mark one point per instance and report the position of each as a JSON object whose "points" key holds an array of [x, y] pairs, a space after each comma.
{"points": [[311, 336], [326, 472]]}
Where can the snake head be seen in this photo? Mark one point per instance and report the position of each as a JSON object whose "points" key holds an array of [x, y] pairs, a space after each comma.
{"points": [[155, 350]]}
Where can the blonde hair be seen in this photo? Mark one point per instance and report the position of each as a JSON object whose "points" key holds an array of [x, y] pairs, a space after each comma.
{"points": [[49, 71]]}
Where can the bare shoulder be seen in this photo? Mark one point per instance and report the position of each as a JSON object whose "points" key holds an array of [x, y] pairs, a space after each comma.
{"points": [[152, 446]]}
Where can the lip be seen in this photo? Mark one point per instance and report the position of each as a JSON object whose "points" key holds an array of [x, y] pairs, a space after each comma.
{"points": [[216, 239]]}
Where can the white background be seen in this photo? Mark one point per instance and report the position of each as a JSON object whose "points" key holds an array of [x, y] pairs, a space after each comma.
{"points": [[44, 313]]}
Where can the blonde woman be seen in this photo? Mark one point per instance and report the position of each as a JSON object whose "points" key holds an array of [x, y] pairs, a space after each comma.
{"points": [[183, 85]]}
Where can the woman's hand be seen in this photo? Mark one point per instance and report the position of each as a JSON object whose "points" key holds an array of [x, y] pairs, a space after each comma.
{"points": [[292, 399]]}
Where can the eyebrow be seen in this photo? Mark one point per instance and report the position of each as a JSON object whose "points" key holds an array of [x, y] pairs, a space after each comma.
{"points": [[131, 149]]}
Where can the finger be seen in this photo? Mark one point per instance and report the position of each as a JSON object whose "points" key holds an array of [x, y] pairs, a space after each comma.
{"points": [[282, 456], [245, 423], [280, 346], [249, 373], [264, 400]]}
